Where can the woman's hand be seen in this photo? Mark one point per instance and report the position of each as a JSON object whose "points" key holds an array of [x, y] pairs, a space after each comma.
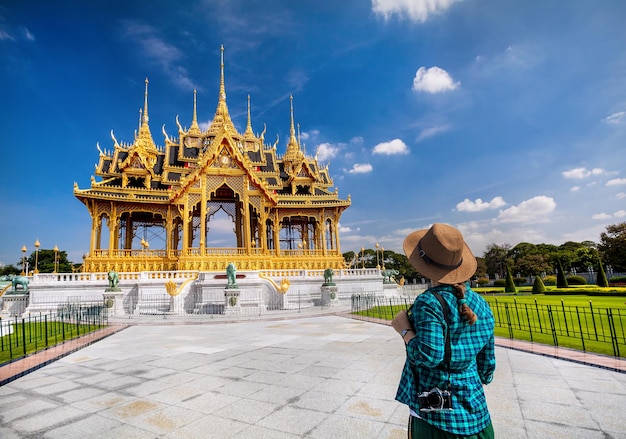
{"points": [[401, 321]]}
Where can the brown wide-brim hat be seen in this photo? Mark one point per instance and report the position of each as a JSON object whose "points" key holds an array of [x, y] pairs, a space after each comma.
{"points": [[440, 254]]}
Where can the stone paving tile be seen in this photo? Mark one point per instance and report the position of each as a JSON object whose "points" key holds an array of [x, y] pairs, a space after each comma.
{"points": [[307, 377]]}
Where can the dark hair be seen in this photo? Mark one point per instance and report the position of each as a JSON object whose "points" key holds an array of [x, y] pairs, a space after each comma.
{"points": [[466, 312]]}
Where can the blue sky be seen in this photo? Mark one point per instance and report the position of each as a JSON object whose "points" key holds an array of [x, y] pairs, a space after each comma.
{"points": [[506, 119]]}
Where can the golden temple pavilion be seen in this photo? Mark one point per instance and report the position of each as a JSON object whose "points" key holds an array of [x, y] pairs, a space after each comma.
{"points": [[284, 211]]}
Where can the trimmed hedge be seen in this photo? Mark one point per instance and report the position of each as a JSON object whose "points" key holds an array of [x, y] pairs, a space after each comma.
{"points": [[576, 280]]}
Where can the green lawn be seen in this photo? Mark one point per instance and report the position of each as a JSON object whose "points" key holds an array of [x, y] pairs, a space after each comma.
{"points": [[587, 323], [31, 337]]}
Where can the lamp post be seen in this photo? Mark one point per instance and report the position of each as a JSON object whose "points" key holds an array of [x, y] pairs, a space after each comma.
{"points": [[56, 258], [377, 261], [37, 244], [382, 256], [24, 261], [362, 257]]}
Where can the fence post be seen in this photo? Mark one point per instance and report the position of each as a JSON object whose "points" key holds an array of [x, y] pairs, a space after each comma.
{"points": [[553, 326], [508, 320], [564, 317], [530, 328], [45, 324], [24, 336], [538, 316], [580, 327], [609, 315], [593, 319]]}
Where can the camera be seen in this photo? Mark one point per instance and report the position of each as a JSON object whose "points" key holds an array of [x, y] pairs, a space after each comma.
{"points": [[435, 400]]}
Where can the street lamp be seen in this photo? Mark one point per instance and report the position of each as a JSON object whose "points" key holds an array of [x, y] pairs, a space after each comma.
{"points": [[382, 256], [362, 257], [377, 261], [37, 244], [56, 258], [24, 261]]}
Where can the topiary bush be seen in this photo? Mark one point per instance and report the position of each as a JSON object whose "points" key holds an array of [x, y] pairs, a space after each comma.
{"points": [[518, 281], [509, 286], [549, 280], [499, 283], [561, 281], [576, 280], [538, 286], [601, 280], [481, 282]]}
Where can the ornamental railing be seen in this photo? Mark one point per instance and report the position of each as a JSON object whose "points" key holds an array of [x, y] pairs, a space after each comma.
{"points": [[590, 329]]}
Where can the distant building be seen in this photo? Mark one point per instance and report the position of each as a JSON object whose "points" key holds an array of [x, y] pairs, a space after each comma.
{"points": [[284, 210]]}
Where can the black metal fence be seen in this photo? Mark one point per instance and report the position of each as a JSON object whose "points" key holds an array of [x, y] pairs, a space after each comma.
{"points": [[601, 330], [20, 336]]}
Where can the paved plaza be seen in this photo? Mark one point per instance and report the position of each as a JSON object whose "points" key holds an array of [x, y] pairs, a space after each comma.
{"points": [[324, 376]]}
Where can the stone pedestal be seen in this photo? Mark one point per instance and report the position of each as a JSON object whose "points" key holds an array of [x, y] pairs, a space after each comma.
{"points": [[113, 300], [391, 289], [176, 304], [232, 304], [330, 296]]}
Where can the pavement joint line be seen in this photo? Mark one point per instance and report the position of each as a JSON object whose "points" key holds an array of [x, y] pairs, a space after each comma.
{"points": [[15, 369]]}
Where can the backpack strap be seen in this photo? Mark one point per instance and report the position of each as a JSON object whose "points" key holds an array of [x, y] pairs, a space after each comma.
{"points": [[445, 365]]}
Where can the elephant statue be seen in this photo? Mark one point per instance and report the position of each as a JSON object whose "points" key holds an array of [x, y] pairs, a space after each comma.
{"points": [[231, 274], [328, 277], [19, 280], [389, 276], [114, 281]]}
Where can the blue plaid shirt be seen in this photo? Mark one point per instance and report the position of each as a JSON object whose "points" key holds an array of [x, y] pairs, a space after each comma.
{"points": [[472, 363]]}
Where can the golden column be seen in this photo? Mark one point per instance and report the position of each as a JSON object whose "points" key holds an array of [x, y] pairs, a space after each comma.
{"points": [[24, 261], [37, 244], [56, 258], [377, 261]]}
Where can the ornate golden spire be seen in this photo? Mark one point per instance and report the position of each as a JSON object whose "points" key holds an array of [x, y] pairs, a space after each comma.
{"points": [[144, 139], [145, 105], [249, 133], [293, 148], [195, 128], [222, 118]]}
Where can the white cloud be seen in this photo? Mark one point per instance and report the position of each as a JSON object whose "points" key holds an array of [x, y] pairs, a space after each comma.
{"points": [[621, 195], [534, 210], [344, 229], [579, 173], [476, 206], [433, 80], [575, 188], [396, 146], [414, 10], [159, 52], [306, 135], [606, 216], [28, 35], [361, 168], [616, 182], [601, 216], [326, 151], [616, 118], [431, 132]]}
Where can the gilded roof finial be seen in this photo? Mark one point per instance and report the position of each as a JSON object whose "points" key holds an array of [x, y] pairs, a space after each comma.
{"points": [[145, 104], [195, 128], [292, 146], [222, 118], [222, 87], [249, 131]]}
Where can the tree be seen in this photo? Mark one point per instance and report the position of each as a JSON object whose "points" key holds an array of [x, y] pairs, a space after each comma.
{"points": [[9, 269], [496, 259], [45, 261], [510, 284], [601, 280], [538, 286], [613, 246], [561, 280]]}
